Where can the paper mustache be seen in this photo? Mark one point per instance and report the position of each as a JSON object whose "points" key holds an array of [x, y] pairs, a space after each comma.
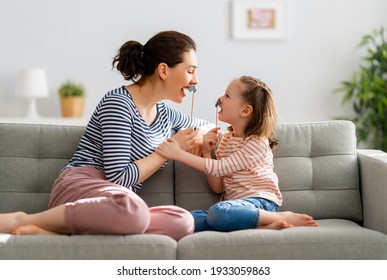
{"points": [[216, 111]]}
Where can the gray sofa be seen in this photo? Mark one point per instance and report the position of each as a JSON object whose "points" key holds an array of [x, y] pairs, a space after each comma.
{"points": [[321, 173]]}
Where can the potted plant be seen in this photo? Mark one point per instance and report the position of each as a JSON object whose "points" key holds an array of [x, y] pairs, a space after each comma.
{"points": [[72, 99], [367, 91]]}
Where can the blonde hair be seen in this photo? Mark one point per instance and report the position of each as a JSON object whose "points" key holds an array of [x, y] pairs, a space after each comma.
{"points": [[264, 118]]}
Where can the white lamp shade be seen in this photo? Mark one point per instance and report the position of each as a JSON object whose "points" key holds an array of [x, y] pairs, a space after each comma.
{"points": [[32, 83]]}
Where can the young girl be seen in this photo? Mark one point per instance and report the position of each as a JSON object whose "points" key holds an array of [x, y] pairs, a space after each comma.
{"points": [[243, 170], [96, 191]]}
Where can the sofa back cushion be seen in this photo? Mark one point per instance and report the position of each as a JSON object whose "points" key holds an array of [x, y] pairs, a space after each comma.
{"points": [[317, 167], [31, 157]]}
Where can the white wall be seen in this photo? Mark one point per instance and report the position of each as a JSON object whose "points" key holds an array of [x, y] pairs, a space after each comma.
{"points": [[77, 39]]}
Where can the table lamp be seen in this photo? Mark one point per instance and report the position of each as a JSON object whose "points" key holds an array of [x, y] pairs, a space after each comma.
{"points": [[32, 84]]}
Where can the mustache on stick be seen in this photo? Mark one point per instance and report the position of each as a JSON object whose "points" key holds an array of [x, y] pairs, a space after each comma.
{"points": [[216, 111], [192, 89]]}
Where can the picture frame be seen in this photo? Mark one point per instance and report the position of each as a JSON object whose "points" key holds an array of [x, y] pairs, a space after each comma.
{"points": [[259, 19]]}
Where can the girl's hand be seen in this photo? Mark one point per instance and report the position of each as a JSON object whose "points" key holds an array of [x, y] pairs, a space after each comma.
{"points": [[169, 149], [210, 139], [185, 138]]}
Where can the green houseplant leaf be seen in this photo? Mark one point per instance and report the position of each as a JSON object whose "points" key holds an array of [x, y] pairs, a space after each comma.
{"points": [[70, 88], [366, 89]]}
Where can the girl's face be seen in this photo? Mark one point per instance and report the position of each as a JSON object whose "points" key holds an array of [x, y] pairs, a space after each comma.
{"points": [[181, 77], [232, 104]]}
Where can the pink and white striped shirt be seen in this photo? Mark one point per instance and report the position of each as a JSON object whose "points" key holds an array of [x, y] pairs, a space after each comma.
{"points": [[246, 165]]}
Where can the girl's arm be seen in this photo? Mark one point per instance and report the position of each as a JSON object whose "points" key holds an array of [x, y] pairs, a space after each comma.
{"points": [[150, 164], [210, 140], [171, 150], [179, 120]]}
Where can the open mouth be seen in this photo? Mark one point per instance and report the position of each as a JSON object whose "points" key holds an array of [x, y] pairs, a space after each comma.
{"points": [[217, 105], [189, 89], [185, 91]]}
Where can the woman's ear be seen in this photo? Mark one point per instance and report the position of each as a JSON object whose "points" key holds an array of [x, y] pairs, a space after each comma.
{"points": [[162, 70], [247, 111]]}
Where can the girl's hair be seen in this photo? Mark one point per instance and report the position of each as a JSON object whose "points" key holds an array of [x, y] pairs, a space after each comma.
{"points": [[264, 118], [136, 62]]}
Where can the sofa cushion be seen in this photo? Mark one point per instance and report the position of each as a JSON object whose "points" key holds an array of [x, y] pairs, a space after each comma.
{"points": [[158, 189], [31, 157], [318, 171], [333, 239], [90, 247], [192, 189]]}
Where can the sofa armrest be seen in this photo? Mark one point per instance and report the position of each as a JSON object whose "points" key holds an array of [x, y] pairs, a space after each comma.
{"points": [[373, 176]]}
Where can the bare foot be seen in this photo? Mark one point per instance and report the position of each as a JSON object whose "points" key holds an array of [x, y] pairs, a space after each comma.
{"points": [[296, 219], [10, 221], [32, 230], [276, 225]]}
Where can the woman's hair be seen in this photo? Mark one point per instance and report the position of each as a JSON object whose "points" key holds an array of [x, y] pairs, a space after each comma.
{"points": [[136, 62], [264, 118]]}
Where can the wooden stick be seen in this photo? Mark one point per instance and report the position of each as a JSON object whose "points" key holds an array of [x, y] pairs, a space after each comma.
{"points": [[216, 114], [192, 89], [192, 106]]}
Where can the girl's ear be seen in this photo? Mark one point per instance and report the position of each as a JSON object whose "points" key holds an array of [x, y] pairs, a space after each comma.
{"points": [[247, 111], [162, 69]]}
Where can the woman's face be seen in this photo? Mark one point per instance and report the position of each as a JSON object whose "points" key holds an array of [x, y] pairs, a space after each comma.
{"points": [[231, 103], [181, 77]]}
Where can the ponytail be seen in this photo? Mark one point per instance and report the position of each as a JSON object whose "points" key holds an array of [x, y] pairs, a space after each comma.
{"points": [[129, 60]]}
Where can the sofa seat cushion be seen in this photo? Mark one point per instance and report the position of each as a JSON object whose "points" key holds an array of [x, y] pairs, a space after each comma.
{"points": [[333, 239], [129, 247]]}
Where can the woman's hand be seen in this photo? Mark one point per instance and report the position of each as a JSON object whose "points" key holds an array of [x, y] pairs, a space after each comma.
{"points": [[185, 138], [198, 142], [169, 149]]}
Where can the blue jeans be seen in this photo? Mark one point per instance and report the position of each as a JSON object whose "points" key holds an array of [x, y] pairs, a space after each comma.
{"points": [[232, 214]]}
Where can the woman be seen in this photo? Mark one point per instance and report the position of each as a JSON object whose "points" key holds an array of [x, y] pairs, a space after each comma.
{"points": [[95, 192]]}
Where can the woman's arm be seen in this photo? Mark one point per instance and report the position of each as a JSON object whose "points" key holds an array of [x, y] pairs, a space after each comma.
{"points": [[127, 161]]}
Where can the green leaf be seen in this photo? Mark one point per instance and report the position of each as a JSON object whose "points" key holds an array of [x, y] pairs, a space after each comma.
{"points": [[367, 90]]}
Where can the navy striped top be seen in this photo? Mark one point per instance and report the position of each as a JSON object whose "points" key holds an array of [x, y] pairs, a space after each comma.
{"points": [[117, 135]]}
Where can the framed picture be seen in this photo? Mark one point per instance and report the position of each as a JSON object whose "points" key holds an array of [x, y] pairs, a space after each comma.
{"points": [[259, 19]]}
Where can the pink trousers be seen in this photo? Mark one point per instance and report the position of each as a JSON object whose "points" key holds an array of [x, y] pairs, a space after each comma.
{"points": [[96, 206]]}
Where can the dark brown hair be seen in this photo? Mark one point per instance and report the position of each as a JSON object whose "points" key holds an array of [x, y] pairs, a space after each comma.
{"points": [[136, 62], [264, 118]]}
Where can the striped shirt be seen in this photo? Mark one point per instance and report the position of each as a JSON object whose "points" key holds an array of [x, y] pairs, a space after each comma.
{"points": [[246, 165], [117, 135]]}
